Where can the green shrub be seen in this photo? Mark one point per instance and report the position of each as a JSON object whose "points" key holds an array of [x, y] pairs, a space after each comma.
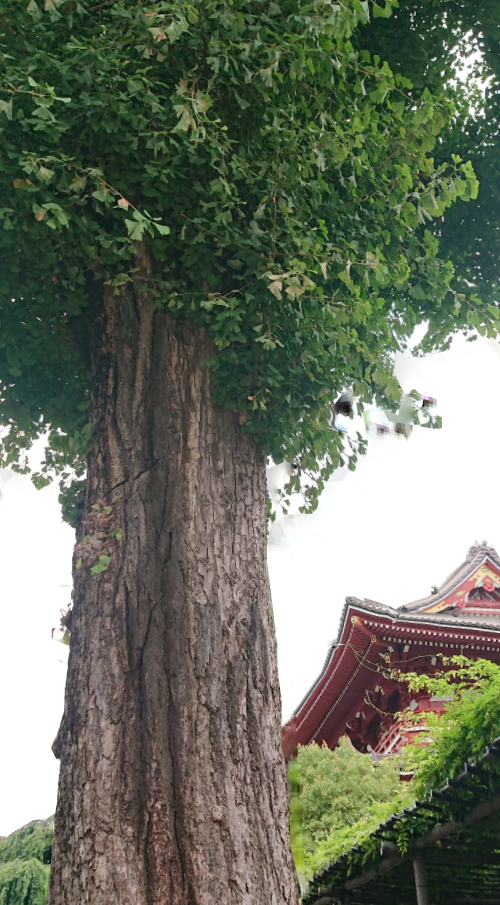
{"points": [[31, 841], [342, 794], [22, 883]]}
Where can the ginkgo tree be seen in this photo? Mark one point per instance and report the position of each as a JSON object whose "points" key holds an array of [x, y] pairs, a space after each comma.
{"points": [[216, 215]]}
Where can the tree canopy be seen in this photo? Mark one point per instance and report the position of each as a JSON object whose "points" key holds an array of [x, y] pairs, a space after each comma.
{"points": [[286, 187], [455, 47]]}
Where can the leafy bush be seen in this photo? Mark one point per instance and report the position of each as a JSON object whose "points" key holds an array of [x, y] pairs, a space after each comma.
{"points": [[22, 883], [31, 841], [343, 795]]}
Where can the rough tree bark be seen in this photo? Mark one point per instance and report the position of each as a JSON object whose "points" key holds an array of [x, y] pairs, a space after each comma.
{"points": [[172, 787]]}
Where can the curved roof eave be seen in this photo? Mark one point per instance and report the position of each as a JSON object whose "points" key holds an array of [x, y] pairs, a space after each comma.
{"points": [[399, 620]]}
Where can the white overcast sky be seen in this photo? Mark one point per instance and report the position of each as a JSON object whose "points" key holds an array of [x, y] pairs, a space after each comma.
{"points": [[390, 531]]}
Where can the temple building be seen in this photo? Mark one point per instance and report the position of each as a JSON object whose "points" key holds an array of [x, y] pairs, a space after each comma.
{"points": [[352, 695]]}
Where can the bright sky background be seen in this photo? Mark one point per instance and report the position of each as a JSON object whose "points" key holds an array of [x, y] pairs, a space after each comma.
{"points": [[390, 531]]}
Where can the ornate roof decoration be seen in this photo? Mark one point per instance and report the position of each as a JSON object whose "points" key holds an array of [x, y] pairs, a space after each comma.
{"points": [[480, 550], [473, 582]]}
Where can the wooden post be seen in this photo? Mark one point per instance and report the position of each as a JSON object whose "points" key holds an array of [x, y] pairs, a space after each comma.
{"points": [[421, 882]]}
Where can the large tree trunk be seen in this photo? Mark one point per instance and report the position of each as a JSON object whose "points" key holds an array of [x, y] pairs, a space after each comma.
{"points": [[172, 787]]}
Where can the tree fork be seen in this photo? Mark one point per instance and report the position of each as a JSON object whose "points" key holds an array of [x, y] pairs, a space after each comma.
{"points": [[172, 782]]}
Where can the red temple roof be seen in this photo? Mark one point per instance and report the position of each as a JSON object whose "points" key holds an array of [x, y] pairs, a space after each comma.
{"points": [[350, 693], [481, 561]]}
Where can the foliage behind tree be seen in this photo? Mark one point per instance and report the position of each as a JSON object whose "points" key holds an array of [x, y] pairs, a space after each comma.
{"points": [[24, 863], [22, 882], [31, 841], [342, 794]]}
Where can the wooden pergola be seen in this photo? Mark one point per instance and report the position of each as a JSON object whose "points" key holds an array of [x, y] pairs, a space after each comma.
{"points": [[443, 851]]}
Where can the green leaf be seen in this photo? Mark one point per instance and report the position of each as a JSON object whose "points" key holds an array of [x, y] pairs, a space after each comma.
{"points": [[6, 107], [102, 194], [382, 11], [380, 377], [345, 276], [46, 173], [34, 9], [135, 229], [97, 569]]}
